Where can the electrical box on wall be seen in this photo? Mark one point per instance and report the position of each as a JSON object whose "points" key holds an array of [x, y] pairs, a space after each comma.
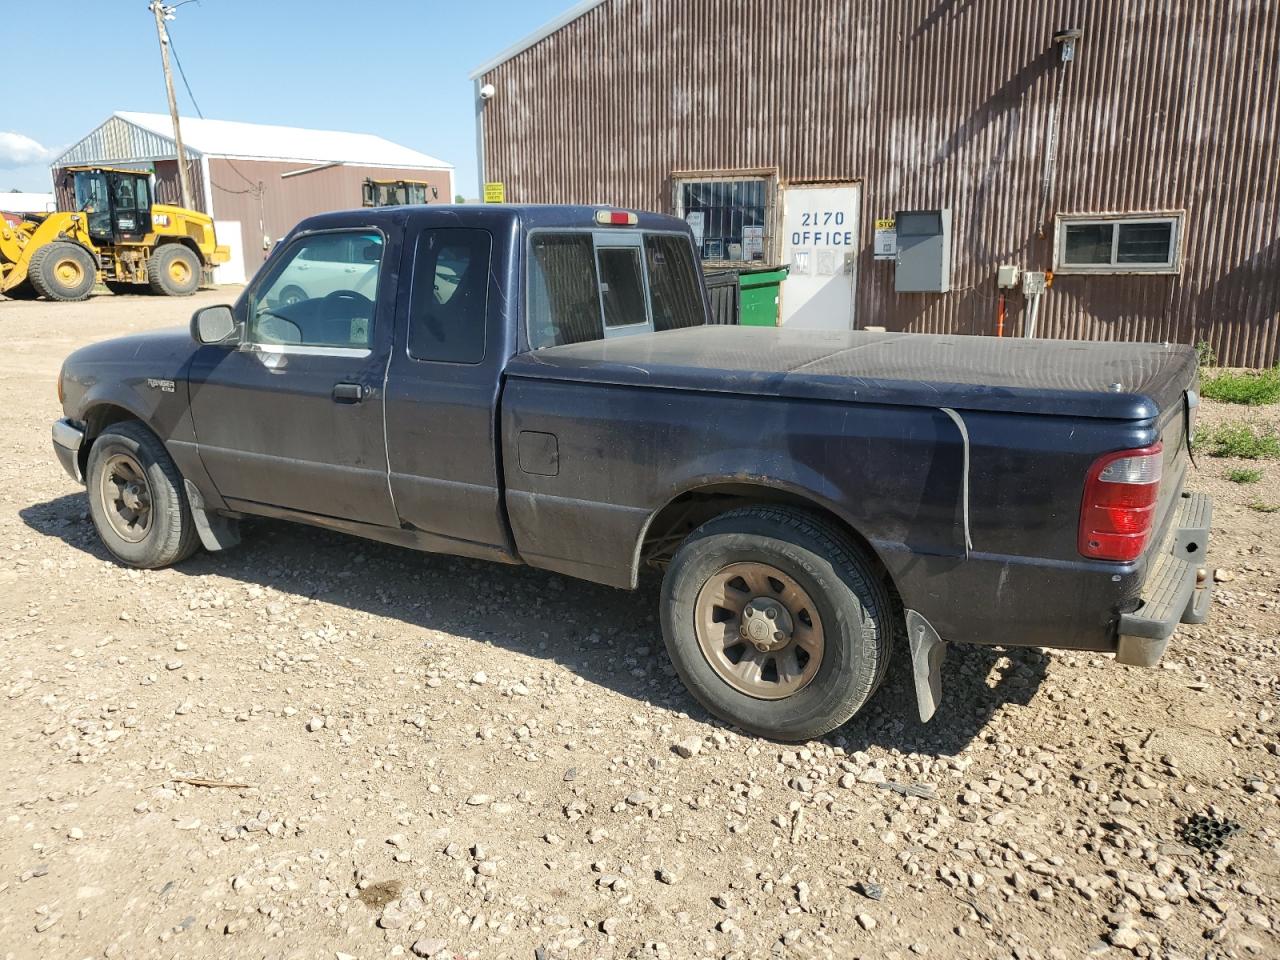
{"points": [[1008, 276], [924, 251]]}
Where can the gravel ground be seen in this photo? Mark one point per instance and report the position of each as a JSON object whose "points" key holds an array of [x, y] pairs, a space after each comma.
{"points": [[317, 747]]}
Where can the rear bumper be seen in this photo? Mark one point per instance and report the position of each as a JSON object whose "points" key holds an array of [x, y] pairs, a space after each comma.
{"points": [[1177, 590], [67, 438]]}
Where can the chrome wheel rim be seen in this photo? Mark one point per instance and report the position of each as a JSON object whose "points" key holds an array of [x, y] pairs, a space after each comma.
{"points": [[126, 497], [759, 630]]}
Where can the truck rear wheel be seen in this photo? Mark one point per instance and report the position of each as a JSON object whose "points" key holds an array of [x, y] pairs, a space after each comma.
{"points": [[173, 270], [776, 622], [136, 498], [63, 271]]}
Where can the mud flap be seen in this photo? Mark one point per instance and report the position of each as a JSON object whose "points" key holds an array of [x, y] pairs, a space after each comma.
{"points": [[927, 652], [216, 533]]}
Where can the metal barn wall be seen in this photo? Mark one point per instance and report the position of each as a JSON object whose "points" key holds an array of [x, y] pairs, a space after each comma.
{"points": [[253, 192], [1169, 105], [169, 188]]}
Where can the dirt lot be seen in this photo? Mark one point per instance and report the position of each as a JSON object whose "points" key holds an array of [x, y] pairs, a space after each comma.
{"points": [[441, 758]]}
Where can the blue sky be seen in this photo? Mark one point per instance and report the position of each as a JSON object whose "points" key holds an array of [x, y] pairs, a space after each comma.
{"points": [[396, 68]]}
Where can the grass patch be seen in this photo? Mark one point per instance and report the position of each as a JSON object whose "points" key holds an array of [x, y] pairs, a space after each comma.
{"points": [[1261, 507], [1251, 387], [1239, 440], [1244, 475]]}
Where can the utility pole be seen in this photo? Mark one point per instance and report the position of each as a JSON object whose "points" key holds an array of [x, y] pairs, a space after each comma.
{"points": [[184, 181]]}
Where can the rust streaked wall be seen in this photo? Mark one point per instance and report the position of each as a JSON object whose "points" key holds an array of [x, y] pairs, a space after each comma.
{"points": [[1169, 105], [274, 209]]}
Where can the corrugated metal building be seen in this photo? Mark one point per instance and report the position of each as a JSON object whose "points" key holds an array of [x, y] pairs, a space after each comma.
{"points": [[256, 180], [1137, 162]]}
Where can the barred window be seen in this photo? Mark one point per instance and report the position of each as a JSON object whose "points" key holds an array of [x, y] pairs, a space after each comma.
{"points": [[730, 216]]}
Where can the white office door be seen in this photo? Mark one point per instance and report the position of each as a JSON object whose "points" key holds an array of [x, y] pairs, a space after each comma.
{"points": [[820, 245]]}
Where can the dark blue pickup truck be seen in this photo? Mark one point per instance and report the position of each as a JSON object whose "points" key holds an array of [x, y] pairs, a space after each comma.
{"points": [[539, 385]]}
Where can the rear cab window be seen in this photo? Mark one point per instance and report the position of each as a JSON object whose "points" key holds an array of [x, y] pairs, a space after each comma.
{"points": [[591, 285]]}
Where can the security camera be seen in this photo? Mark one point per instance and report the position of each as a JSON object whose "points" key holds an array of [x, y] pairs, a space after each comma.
{"points": [[487, 92]]}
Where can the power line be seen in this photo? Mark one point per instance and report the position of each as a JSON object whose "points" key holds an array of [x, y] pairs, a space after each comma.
{"points": [[253, 187], [183, 74]]}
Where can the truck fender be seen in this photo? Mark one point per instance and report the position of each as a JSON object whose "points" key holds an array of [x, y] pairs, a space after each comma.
{"points": [[806, 489]]}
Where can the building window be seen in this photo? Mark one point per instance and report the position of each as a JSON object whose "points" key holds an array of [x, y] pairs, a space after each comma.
{"points": [[1131, 243], [731, 216]]}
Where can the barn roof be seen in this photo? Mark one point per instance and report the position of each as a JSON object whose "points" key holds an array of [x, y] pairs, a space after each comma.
{"points": [[126, 135]]}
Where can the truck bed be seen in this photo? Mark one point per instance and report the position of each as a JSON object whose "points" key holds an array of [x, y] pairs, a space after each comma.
{"points": [[1117, 381]]}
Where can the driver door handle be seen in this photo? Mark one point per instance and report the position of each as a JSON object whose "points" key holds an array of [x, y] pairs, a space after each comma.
{"points": [[347, 393]]}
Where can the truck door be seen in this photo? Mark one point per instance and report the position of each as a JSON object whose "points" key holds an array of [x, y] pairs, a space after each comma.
{"points": [[452, 339], [293, 418]]}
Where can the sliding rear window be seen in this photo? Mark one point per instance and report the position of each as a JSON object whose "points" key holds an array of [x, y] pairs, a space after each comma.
{"points": [[589, 286]]}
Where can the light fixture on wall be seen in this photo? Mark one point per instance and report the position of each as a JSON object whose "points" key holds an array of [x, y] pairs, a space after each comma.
{"points": [[1068, 39]]}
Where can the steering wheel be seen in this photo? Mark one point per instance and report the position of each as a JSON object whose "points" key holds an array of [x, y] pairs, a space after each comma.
{"points": [[346, 305]]}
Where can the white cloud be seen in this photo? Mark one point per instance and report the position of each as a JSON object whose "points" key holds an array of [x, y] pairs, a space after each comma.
{"points": [[17, 150]]}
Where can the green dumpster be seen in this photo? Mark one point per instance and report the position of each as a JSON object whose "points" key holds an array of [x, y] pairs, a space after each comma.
{"points": [[758, 292]]}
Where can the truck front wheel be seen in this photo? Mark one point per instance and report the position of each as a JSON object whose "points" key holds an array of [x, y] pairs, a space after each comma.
{"points": [[776, 622], [136, 498]]}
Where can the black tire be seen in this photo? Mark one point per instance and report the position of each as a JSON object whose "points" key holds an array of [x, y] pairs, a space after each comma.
{"points": [[170, 535], [173, 270], [849, 595], [63, 271]]}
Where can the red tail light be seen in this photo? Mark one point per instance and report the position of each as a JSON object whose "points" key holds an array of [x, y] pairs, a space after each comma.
{"points": [[1119, 508]]}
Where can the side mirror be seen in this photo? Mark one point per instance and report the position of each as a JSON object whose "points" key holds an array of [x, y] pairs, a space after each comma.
{"points": [[214, 326]]}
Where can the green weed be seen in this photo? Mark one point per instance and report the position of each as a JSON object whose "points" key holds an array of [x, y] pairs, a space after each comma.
{"points": [[1205, 355], [1244, 475], [1251, 387], [1239, 440]]}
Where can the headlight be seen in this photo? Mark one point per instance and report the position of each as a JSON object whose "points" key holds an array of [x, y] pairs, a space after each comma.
{"points": [[61, 392]]}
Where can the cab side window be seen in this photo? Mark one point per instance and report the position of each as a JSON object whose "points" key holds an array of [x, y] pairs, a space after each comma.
{"points": [[449, 304], [320, 292]]}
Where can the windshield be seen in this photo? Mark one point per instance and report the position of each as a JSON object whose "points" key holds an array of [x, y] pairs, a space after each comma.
{"points": [[399, 193], [91, 197]]}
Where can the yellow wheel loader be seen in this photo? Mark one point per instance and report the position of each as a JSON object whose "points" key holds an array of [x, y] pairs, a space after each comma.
{"points": [[394, 193], [115, 235]]}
